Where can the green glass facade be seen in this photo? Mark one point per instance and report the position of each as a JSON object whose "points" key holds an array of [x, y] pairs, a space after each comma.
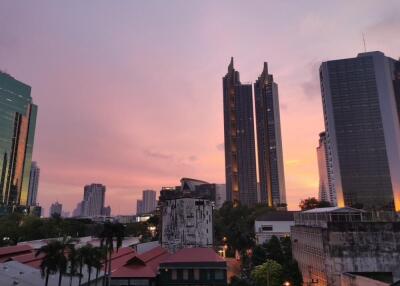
{"points": [[17, 132]]}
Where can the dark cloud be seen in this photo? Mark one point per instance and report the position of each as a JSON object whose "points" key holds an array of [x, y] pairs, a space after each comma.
{"points": [[158, 155], [193, 158]]}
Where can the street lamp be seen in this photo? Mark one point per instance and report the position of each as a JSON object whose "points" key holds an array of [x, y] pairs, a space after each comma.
{"points": [[286, 283]]}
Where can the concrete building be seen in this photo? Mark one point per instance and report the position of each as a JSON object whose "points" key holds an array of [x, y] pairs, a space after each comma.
{"points": [[273, 223], [78, 211], [139, 207], [240, 153], [93, 200], [220, 195], [361, 101], [186, 222], [269, 141], [33, 184], [327, 242], [367, 279], [326, 192], [149, 198], [17, 132], [55, 209]]}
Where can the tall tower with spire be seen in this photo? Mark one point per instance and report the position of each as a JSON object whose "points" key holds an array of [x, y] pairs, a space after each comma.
{"points": [[269, 141], [240, 158]]}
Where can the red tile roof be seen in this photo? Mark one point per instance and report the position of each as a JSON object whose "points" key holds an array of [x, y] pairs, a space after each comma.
{"points": [[193, 255], [144, 265], [9, 251]]}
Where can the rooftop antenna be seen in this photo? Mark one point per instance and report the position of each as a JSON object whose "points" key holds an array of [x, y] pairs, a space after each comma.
{"points": [[365, 45]]}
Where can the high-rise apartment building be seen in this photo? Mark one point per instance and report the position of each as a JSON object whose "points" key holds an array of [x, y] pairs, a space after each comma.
{"points": [[139, 207], [361, 100], [269, 141], [93, 200], [326, 192], [17, 131], [149, 201], [240, 154], [55, 209], [33, 184]]}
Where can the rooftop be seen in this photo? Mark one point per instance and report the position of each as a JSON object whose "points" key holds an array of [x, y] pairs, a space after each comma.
{"points": [[193, 255]]}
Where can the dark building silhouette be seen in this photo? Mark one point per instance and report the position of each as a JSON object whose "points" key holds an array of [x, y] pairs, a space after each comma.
{"points": [[17, 131], [361, 102], [269, 141], [240, 158]]}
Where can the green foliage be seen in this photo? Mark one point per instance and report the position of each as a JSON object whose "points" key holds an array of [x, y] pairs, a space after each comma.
{"points": [[269, 273], [236, 281], [16, 227], [281, 252], [312, 203]]}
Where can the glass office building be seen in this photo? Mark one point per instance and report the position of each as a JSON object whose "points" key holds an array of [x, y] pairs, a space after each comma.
{"points": [[240, 154], [17, 131], [269, 141], [361, 103]]}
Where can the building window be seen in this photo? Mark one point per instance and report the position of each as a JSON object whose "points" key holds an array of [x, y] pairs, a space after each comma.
{"points": [[219, 275], [174, 274], [196, 274], [266, 228], [185, 274], [208, 274]]}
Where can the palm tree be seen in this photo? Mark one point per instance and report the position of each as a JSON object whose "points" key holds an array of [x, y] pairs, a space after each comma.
{"points": [[111, 232], [100, 257], [82, 256], [65, 246], [73, 259], [50, 259]]}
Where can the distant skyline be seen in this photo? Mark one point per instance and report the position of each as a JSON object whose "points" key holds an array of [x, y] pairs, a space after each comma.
{"points": [[129, 93]]}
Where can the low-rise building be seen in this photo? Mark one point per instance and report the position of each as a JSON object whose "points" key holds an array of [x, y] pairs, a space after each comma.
{"points": [[273, 223], [327, 242], [193, 266]]}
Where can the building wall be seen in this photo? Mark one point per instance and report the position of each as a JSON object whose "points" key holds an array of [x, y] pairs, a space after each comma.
{"points": [[326, 253], [186, 222], [279, 229], [348, 279], [326, 191], [220, 196]]}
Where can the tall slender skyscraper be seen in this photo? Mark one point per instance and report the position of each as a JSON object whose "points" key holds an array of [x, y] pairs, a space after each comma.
{"points": [[361, 102], [269, 142], [240, 158], [326, 192], [17, 131], [33, 184]]}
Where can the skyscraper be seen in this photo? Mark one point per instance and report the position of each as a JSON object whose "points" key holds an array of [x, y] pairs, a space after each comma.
{"points": [[33, 184], [361, 101], [269, 142], [149, 201], [17, 131], [139, 207], [55, 209], [326, 192], [240, 158], [93, 200]]}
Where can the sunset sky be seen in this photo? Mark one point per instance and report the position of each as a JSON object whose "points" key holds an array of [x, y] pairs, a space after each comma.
{"points": [[130, 92]]}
